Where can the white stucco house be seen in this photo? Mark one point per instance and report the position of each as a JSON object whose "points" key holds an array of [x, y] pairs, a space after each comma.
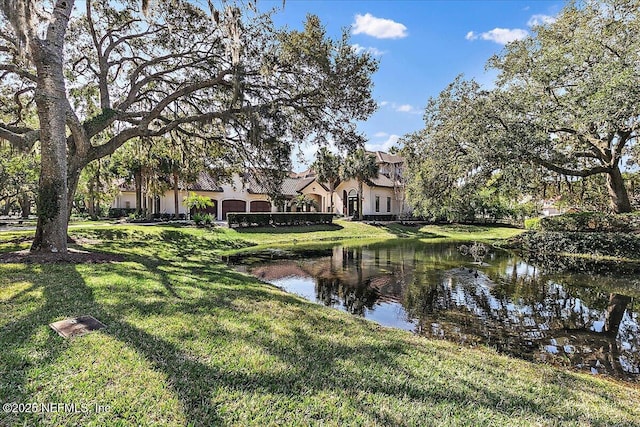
{"points": [[382, 197]]}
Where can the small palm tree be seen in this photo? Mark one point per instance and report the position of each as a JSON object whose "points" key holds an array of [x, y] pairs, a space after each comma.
{"points": [[362, 167], [327, 168], [302, 201]]}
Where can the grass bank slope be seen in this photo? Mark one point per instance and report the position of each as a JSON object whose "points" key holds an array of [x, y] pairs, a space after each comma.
{"points": [[191, 342]]}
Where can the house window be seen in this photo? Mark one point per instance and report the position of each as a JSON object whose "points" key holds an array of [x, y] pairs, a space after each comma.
{"points": [[388, 204], [127, 205], [377, 203]]}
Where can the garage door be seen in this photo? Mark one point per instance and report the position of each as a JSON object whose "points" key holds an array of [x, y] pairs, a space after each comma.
{"points": [[233, 206], [260, 206]]}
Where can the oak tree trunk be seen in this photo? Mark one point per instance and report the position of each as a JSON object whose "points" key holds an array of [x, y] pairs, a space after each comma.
{"points": [[176, 204], [51, 231], [618, 192], [25, 205], [138, 184]]}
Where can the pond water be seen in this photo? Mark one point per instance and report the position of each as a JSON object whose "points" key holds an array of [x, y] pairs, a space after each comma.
{"points": [[583, 321]]}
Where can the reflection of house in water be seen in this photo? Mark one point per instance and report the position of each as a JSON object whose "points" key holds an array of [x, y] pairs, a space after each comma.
{"points": [[351, 277], [272, 272]]}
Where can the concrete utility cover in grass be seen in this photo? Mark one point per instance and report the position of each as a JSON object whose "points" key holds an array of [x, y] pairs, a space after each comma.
{"points": [[76, 326]]}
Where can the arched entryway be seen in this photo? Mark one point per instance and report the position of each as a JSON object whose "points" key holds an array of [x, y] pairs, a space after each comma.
{"points": [[352, 202], [233, 206], [260, 206]]}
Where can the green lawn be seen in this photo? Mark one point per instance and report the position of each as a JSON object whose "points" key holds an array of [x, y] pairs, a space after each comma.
{"points": [[191, 342], [227, 241]]}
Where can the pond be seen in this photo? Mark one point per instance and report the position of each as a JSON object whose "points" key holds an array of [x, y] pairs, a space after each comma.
{"points": [[583, 321]]}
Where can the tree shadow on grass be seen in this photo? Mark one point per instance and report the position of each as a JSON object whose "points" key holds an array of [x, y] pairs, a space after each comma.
{"points": [[320, 351], [408, 231]]}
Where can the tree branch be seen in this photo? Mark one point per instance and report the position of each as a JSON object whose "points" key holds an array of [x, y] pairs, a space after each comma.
{"points": [[20, 138], [571, 172], [12, 68]]}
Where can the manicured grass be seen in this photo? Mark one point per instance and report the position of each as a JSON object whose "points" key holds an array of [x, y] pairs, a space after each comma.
{"points": [[15, 240], [355, 232], [191, 342], [471, 232]]}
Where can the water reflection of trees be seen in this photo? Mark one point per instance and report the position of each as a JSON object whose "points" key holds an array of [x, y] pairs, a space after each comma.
{"points": [[352, 277], [575, 320], [516, 310], [355, 299]]}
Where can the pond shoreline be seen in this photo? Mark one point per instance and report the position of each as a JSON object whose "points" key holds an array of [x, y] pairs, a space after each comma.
{"points": [[373, 281]]}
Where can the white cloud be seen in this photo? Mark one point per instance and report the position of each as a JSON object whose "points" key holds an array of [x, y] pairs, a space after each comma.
{"points": [[378, 27], [536, 20], [401, 108], [380, 135], [404, 108], [506, 35], [371, 50], [499, 35], [384, 145]]}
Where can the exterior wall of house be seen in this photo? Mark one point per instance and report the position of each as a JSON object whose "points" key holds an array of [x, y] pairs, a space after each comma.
{"points": [[382, 193], [315, 191], [233, 191], [125, 199], [236, 191], [323, 197]]}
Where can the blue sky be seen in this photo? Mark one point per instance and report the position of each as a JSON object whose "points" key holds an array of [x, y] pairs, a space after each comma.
{"points": [[422, 46]]}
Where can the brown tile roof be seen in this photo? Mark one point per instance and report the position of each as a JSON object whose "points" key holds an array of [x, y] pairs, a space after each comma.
{"points": [[252, 184], [304, 182], [382, 181], [205, 182], [309, 173], [386, 157], [289, 186]]}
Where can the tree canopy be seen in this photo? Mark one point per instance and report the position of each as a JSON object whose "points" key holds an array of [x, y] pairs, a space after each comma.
{"points": [[109, 75], [566, 100]]}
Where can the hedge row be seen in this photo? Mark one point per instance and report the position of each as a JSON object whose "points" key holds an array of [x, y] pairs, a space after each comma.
{"points": [[589, 222], [263, 219], [585, 252], [379, 217], [622, 245], [120, 212]]}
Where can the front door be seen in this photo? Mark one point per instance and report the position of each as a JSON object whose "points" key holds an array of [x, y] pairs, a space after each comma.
{"points": [[352, 203]]}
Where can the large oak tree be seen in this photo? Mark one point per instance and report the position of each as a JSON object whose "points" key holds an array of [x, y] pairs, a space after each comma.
{"points": [[567, 99], [108, 74]]}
